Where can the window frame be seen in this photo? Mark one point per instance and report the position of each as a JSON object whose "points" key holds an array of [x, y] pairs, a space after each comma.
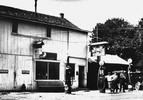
{"points": [[15, 27], [48, 62], [49, 32], [15, 31]]}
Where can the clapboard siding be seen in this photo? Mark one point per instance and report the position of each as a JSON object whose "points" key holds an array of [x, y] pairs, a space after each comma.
{"points": [[30, 29], [12, 44], [3, 36], [24, 64], [78, 44], [21, 45], [6, 80], [15, 65]]}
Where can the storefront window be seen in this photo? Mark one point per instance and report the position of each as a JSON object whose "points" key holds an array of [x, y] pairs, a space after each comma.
{"points": [[47, 70]]}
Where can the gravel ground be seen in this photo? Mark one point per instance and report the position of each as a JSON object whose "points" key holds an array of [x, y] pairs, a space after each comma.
{"points": [[78, 95]]}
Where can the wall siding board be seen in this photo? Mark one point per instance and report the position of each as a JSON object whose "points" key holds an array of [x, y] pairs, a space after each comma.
{"points": [[24, 63], [6, 80], [10, 66], [30, 29], [24, 46], [78, 44], [59, 35], [3, 38]]}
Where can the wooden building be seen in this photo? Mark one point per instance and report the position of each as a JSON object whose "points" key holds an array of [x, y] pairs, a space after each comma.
{"points": [[21, 62]]}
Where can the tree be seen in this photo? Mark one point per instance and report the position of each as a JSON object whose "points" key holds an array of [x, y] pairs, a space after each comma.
{"points": [[123, 38]]}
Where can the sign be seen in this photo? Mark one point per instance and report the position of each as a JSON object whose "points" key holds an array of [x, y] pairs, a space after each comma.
{"points": [[3, 71], [25, 72], [98, 51]]}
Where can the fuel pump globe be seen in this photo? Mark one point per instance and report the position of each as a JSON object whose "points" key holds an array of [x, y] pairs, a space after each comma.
{"points": [[101, 62], [129, 60], [101, 78]]}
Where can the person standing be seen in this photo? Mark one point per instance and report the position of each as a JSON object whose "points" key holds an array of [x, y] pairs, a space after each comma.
{"points": [[122, 81], [109, 79], [68, 79], [115, 82]]}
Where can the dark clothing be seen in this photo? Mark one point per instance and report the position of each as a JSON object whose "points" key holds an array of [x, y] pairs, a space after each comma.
{"points": [[122, 85], [68, 80], [115, 85], [122, 81]]}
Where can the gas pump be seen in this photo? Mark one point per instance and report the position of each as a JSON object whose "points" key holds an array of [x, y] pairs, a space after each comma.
{"points": [[68, 78], [129, 74], [97, 51], [101, 77], [129, 69]]}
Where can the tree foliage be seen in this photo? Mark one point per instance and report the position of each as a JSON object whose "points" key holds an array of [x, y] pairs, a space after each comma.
{"points": [[124, 39]]}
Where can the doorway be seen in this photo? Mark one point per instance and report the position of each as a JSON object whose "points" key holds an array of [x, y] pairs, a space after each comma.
{"points": [[92, 76], [81, 76]]}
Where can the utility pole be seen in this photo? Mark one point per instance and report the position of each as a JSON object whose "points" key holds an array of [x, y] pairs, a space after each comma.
{"points": [[36, 6], [97, 33]]}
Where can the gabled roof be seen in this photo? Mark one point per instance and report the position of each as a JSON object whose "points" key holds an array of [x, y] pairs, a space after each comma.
{"points": [[114, 59], [37, 17], [110, 59]]}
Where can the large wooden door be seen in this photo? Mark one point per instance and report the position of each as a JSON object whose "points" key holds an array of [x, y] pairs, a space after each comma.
{"points": [[23, 72], [7, 63]]}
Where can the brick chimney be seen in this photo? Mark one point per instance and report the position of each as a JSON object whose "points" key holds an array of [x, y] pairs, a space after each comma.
{"points": [[62, 15]]}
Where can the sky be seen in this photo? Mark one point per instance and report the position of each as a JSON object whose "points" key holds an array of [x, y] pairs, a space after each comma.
{"points": [[84, 13]]}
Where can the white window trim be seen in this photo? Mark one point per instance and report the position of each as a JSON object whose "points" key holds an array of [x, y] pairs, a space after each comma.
{"points": [[58, 61]]}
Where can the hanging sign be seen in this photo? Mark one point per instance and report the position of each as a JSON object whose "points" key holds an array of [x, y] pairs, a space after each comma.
{"points": [[38, 44]]}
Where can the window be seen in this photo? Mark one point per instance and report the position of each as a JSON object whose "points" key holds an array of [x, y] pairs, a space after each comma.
{"points": [[15, 27], [48, 31], [53, 71], [47, 70]]}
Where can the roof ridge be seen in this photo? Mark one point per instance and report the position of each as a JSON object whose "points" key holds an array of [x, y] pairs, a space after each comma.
{"points": [[10, 7], [30, 15]]}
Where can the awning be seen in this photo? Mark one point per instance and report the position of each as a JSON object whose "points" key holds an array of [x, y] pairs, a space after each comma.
{"points": [[98, 43], [110, 59]]}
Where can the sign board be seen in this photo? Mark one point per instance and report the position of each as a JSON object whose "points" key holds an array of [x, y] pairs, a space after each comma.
{"points": [[25, 72], [3, 71], [98, 51]]}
